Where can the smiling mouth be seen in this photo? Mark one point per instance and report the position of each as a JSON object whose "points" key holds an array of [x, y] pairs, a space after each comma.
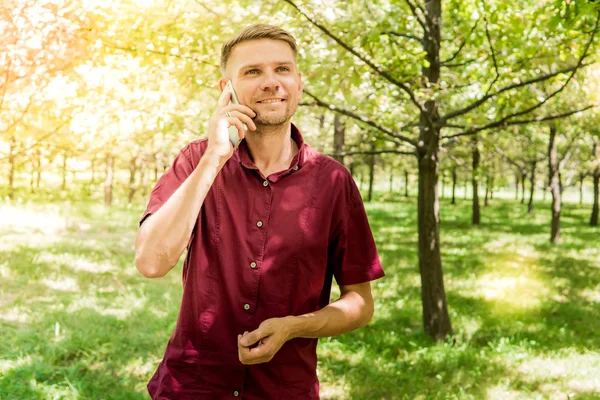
{"points": [[271, 101]]}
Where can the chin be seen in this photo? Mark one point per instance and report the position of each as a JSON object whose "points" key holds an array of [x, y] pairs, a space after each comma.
{"points": [[273, 120]]}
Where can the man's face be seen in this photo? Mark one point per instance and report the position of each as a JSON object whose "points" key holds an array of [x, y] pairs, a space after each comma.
{"points": [[266, 79]]}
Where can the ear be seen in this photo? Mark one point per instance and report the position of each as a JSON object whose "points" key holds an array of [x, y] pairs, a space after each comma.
{"points": [[222, 82], [299, 84]]}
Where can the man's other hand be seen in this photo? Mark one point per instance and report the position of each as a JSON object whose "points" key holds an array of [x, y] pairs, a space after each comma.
{"points": [[261, 345]]}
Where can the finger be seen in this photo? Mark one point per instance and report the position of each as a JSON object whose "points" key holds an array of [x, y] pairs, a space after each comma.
{"points": [[244, 355], [251, 338], [251, 356], [238, 111], [233, 121], [243, 109], [244, 118], [224, 99]]}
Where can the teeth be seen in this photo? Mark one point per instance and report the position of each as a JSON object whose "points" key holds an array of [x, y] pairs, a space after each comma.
{"points": [[271, 101]]}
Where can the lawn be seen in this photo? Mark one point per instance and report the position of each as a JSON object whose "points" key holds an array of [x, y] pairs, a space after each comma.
{"points": [[77, 321]]}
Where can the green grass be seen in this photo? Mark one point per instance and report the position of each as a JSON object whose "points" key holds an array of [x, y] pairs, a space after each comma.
{"points": [[78, 322]]}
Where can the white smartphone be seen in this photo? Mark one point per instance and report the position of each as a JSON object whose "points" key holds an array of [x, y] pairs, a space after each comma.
{"points": [[234, 137]]}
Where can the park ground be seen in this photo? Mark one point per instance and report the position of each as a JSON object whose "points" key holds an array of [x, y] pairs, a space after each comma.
{"points": [[77, 321]]}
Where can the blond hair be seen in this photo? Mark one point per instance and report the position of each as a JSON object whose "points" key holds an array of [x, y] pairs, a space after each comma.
{"points": [[255, 32]]}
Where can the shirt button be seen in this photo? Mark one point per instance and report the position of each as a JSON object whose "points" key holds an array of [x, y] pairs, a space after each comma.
{"points": [[246, 307], [236, 393], [296, 168], [253, 265], [259, 224], [266, 183]]}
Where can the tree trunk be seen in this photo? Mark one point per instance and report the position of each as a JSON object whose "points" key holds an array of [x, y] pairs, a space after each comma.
{"points": [[553, 178], [405, 183], [321, 119], [596, 176], [93, 167], [64, 172], [454, 184], [32, 177], [581, 179], [39, 168], [487, 191], [466, 187], [156, 159], [11, 163], [391, 179], [371, 173], [517, 177], [546, 184], [339, 134], [560, 181], [436, 319], [492, 176], [532, 183], [443, 184], [132, 171], [144, 169], [108, 181], [476, 218], [523, 177]]}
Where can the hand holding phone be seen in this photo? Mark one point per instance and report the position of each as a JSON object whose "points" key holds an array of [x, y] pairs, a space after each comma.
{"points": [[234, 136]]}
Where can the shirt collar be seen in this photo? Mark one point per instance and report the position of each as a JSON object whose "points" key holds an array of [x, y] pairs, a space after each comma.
{"points": [[243, 156]]}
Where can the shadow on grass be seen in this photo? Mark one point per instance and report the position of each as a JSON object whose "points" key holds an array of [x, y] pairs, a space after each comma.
{"points": [[94, 356], [113, 325], [392, 358], [80, 322]]}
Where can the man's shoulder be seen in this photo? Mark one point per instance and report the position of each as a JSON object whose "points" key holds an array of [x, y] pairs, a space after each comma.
{"points": [[198, 146], [194, 150], [328, 166]]}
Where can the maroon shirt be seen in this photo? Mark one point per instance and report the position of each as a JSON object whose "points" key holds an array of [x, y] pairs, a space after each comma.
{"points": [[261, 248]]}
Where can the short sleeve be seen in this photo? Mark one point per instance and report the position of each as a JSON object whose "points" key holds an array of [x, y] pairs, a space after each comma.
{"points": [[352, 254], [171, 180]]}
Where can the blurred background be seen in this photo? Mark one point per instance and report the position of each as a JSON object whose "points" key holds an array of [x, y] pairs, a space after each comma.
{"points": [[471, 128]]}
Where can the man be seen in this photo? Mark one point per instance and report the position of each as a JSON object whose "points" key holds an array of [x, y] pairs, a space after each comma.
{"points": [[267, 226]]}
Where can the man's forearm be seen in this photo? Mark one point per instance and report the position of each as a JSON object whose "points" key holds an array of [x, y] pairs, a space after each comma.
{"points": [[349, 312], [162, 237]]}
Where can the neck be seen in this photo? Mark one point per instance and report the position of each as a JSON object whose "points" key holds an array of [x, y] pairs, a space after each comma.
{"points": [[271, 147]]}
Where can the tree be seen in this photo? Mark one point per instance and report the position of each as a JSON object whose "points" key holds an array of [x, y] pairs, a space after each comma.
{"points": [[495, 80]]}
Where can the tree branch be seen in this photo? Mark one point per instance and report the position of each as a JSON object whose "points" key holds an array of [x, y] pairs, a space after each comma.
{"points": [[479, 102], [39, 141], [351, 153], [462, 64], [181, 56], [6, 83], [404, 35], [504, 121], [19, 119], [572, 69], [502, 154], [206, 8], [364, 59], [413, 9], [357, 117], [563, 160], [489, 40], [464, 42]]}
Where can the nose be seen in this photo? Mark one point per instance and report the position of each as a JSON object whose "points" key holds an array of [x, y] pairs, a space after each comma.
{"points": [[270, 82]]}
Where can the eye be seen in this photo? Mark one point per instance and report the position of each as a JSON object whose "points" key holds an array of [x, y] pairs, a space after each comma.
{"points": [[252, 72], [285, 69]]}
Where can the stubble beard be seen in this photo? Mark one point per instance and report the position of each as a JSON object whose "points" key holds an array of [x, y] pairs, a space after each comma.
{"points": [[266, 124]]}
